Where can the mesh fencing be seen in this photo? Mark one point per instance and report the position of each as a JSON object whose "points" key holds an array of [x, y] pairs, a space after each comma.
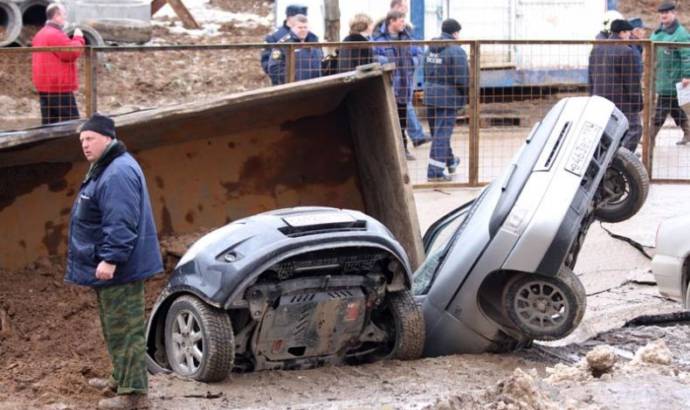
{"points": [[42, 87], [463, 122]]}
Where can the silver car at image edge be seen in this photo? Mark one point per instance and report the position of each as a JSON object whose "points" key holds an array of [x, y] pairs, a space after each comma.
{"points": [[671, 263]]}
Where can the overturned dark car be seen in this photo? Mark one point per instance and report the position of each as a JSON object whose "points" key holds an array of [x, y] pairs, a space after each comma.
{"points": [[288, 289], [307, 286]]}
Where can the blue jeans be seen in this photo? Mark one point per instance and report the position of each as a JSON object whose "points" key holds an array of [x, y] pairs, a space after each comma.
{"points": [[441, 122], [414, 127]]}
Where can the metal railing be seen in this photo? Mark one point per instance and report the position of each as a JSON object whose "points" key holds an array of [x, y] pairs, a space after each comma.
{"points": [[507, 86]]}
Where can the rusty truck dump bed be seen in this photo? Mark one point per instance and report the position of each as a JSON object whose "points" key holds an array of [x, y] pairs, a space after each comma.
{"points": [[333, 141]]}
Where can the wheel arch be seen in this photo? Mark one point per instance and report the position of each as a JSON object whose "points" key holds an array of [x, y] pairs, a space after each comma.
{"points": [[155, 345]]}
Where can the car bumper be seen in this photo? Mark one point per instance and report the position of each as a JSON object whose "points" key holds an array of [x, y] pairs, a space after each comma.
{"points": [[668, 272]]}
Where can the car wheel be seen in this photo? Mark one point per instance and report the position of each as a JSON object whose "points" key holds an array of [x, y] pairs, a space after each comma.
{"points": [[545, 307], [624, 188], [402, 319], [199, 341]]}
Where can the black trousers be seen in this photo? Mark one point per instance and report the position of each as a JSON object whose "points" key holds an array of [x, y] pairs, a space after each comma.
{"points": [[58, 107], [668, 104], [634, 134]]}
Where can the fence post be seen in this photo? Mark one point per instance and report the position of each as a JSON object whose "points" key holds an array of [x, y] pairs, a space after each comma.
{"points": [[90, 84], [648, 105], [474, 97], [290, 63]]}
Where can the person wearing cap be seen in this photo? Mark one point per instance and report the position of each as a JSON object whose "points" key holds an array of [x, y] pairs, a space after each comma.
{"points": [[282, 34], [54, 73], [112, 248], [307, 59], [672, 66], [446, 80], [615, 73]]}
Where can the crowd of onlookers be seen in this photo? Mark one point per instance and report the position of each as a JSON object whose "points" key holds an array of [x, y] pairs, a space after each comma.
{"points": [[615, 71], [445, 69]]}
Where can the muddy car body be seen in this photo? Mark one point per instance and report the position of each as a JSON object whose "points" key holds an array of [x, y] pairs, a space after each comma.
{"points": [[287, 289], [498, 272]]}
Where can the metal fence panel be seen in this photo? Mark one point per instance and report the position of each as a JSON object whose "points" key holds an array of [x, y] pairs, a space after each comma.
{"points": [[449, 105]]}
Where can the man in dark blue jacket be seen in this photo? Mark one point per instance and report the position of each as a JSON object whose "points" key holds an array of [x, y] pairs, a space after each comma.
{"points": [[307, 60], [282, 33], [615, 73], [113, 247], [446, 78], [395, 29]]}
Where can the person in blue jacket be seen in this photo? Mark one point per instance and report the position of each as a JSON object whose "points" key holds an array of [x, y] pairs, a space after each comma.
{"points": [[283, 32], [446, 79], [394, 29], [307, 60], [112, 248]]}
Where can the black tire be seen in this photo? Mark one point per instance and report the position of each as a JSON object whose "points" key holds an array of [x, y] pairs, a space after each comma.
{"points": [[409, 326], [624, 188], [545, 307], [217, 344], [400, 317]]}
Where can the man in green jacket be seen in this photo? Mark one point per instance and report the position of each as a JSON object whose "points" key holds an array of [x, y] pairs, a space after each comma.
{"points": [[672, 66]]}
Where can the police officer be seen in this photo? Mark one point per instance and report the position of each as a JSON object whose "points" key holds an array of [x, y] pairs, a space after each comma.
{"points": [[283, 32], [307, 60], [446, 78]]}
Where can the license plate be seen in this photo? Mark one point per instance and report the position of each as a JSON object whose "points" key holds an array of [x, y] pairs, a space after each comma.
{"points": [[308, 219], [586, 141]]}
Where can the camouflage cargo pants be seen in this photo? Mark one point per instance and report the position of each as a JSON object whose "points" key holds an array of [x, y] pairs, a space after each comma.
{"points": [[121, 309]]}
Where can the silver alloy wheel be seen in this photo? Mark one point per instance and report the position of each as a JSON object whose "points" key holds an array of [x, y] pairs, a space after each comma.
{"points": [[188, 342], [541, 306]]}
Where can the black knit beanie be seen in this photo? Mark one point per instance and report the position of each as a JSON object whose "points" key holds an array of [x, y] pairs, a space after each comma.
{"points": [[100, 124], [450, 26]]}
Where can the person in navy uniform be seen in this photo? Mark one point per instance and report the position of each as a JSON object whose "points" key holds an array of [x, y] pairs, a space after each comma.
{"points": [[307, 60], [446, 79], [283, 32]]}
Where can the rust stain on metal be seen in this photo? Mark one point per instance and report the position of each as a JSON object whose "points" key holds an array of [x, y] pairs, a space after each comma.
{"points": [[54, 236], [159, 182], [166, 220], [20, 180]]}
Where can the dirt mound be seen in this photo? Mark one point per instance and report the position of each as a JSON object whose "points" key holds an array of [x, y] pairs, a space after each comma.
{"points": [[50, 335], [521, 391]]}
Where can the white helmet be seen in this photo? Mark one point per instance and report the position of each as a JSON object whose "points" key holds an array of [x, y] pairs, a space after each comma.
{"points": [[609, 16]]}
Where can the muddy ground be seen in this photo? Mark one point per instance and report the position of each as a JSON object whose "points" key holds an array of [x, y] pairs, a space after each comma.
{"points": [[50, 344], [50, 341]]}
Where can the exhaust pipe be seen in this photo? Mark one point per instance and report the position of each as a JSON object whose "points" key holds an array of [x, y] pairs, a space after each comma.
{"points": [[33, 19], [10, 22]]}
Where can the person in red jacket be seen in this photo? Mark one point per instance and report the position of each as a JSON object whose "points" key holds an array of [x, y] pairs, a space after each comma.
{"points": [[55, 72]]}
